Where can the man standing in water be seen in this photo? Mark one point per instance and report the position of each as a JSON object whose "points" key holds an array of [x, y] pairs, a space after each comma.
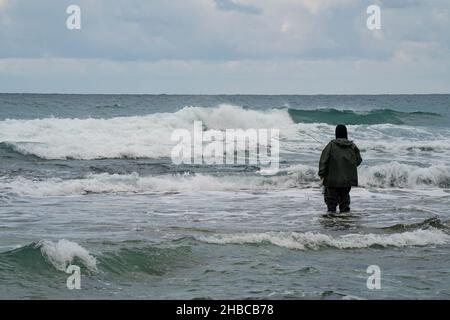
{"points": [[338, 170]]}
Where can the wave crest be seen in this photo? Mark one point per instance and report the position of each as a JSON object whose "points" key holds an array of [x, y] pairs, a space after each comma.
{"points": [[315, 241], [399, 175], [389, 175], [377, 116], [63, 252], [127, 137]]}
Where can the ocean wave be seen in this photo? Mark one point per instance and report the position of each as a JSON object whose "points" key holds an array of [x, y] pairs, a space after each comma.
{"points": [[63, 252], [47, 256], [131, 257], [14, 150], [377, 116], [134, 183], [315, 241], [405, 146], [400, 175], [59, 254], [149, 136], [389, 175], [434, 222], [128, 137]]}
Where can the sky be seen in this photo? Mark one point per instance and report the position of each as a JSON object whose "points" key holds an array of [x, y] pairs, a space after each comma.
{"points": [[225, 47]]}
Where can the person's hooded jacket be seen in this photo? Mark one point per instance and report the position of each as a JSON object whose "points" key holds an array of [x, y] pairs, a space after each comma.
{"points": [[338, 164]]}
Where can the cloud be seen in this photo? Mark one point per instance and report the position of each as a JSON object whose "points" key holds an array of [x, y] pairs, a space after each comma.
{"points": [[410, 51], [399, 3], [204, 37], [205, 30], [233, 5], [315, 6]]}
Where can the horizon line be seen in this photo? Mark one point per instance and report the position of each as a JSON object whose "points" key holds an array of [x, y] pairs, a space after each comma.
{"points": [[228, 94]]}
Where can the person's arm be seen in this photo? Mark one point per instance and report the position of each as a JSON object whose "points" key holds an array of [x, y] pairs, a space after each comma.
{"points": [[358, 156], [324, 160]]}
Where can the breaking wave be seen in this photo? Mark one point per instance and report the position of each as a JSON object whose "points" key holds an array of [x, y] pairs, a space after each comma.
{"points": [[315, 241], [134, 183], [379, 116], [59, 254], [149, 136], [137, 256], [13, 150], [63, 252], [390, 175], [47, 256], [399, 175], [127, 137]]}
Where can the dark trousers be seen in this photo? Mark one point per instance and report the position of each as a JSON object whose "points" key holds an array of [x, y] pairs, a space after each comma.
{"points": [[337, 196]]}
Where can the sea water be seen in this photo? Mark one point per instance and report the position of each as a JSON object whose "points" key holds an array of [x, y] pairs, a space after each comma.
{"points": [[88, 180]]}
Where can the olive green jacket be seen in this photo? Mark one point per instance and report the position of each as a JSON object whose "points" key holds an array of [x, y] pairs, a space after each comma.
{"points": [[338, 164]]}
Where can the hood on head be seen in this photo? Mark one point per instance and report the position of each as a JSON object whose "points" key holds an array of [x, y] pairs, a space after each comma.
{"points": [[341, 132]]}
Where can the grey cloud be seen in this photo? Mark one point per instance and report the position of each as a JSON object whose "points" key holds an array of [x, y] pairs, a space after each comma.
{"points": [[400, 3], [123, 32], [195, 29], [230, 5]]}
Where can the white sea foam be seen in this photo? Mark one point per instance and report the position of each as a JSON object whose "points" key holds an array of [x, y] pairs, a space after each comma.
{"points": [[315, 241], [115, 183], [399, 175], [149, 136], [134, 137], [386, 138], [389, 175], [62, 253]]}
